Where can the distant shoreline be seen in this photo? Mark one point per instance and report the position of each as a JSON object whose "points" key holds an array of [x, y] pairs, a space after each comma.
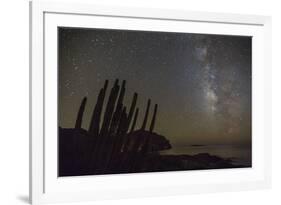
{"points": [[197, 145]]}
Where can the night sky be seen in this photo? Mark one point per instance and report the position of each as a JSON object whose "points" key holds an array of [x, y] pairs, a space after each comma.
{"points": [[202, 83]]}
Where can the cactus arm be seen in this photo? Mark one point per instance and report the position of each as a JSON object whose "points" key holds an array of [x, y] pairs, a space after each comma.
{"points": [[109, 109], [153, 118], [132, 110], [79, 119], [146, 115], [134, 120], [96, 116], [118, 110]]}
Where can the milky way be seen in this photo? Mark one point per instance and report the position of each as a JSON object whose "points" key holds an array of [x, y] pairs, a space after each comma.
{"points": [[202, 83]]}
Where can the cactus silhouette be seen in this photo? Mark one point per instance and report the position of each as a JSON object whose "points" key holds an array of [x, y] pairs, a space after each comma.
{"points": [[104, 137], [118, 139], [132, 109], [128, 122], [135, 120], [96, 117], [153, 118], [118, 110], [146, 115], [113, 146], [109, 109], [78, 123]]}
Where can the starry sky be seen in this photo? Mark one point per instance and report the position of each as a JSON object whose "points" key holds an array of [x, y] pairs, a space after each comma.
{"points": [[201, 83]]}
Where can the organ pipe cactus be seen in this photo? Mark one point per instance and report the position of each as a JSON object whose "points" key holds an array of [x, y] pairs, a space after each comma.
{"points": [[111, 135], [132, 109], [118, 110], [146, 115], [96, 116], [80, 113], [134, 120], [153, 118], [109, 109]]}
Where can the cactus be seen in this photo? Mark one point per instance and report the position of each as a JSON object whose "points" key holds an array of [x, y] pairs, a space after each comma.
{"points": [[109, 109], [123, 122], [105, 84], [118, 110], [126, 138], [146, 115], [95, 123], [80, 113], [135, 120], [144, 151], [153, 118], [127, 143], [112, 148], [96, 116], [104, 137], [132, 109], [110, 138], [118, 139]]}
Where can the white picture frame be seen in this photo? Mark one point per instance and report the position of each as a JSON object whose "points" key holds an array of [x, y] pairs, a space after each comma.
{"points": [[46, 187]]}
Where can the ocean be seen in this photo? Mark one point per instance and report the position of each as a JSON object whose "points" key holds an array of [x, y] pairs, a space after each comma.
{"points": [[240, 155]]}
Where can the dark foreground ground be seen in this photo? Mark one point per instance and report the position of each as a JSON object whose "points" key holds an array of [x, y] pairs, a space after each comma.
{"points": [[78, 156]]}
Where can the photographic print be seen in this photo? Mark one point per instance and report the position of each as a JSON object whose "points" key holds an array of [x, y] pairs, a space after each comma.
{"points": [[152, 101]]}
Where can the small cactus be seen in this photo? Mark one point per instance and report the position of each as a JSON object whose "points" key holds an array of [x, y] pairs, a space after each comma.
{"points": [[109, 109], [146, 115], [153, 118], [78, 123], [118, 110], [135, 120], [96, 116], [132, 110]]}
